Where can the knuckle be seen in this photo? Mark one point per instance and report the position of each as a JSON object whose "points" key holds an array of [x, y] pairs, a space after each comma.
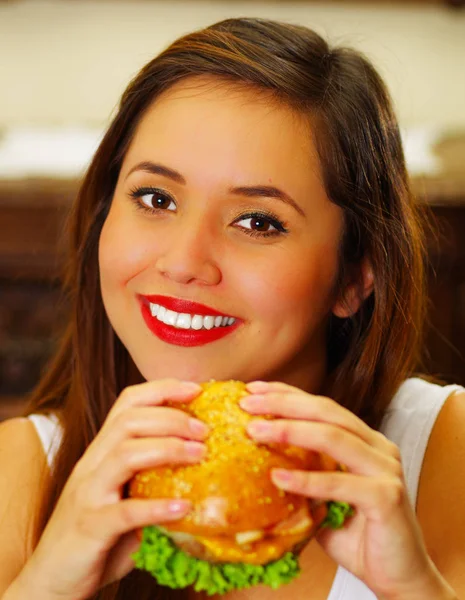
{"points": [[333, 436], [124, 455], [79, 495], [396, 468], [79, 468], [391, 492], [388, 446], [331, 483], [283, 431], [379, 437], [85, 523], [398, 492], [125, 398], [394, 451], [327, 404], [126, 422], [126, 515]]}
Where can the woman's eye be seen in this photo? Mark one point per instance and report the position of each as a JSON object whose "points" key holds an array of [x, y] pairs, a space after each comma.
{"points": [[261, 225], [158, 200], [258, 224], [153, 199]]}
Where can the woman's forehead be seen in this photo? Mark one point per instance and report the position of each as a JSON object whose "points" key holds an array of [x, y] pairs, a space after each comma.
{"points": [[234, 130]]}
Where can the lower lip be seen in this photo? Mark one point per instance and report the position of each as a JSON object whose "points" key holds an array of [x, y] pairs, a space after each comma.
{"points": [[184, 337]]}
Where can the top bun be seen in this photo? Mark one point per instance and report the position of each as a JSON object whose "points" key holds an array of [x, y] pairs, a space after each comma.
{"points": [[230, 489]]}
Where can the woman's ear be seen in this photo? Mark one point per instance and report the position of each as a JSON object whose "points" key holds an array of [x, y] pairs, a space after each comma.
{"points": [[355, 291]]}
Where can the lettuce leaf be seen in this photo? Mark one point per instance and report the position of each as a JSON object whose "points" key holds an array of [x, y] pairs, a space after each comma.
{"points": [[338, 512], [174, 568]]}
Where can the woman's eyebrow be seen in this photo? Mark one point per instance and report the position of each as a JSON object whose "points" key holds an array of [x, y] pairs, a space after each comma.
{"points": [[266, 191], [158, 169], [262, 191]]}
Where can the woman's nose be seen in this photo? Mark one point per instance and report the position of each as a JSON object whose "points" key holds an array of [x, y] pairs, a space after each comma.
{"points": [[189, 257]]}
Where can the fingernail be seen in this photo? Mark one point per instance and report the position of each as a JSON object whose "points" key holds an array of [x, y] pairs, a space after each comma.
{"points": [[259, 428], [251, 402], [258, 386], [198, 427], [179, 506], [282, 476], [191, 386], [195, 449]]}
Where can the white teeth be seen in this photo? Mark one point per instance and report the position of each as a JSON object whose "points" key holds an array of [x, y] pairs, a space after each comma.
{"points": [[197, 322], [187, 321], [208, 322], [161, 313], [184, 321], [170, 317]]}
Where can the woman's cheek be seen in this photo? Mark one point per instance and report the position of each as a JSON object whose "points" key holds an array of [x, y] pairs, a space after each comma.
{"points": [[124, 251]]}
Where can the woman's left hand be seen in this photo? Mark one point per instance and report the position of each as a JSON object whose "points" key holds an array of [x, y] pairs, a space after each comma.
{"points": [[382, 543]]}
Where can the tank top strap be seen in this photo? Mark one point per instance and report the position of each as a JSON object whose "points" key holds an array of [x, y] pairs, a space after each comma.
{"points": [[49, 431]]}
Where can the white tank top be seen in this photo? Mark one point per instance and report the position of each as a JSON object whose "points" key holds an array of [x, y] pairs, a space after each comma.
{"points": [[408, 422]]}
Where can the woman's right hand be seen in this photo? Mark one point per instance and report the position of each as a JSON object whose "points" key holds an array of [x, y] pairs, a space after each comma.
{"points": [[92, 532]]}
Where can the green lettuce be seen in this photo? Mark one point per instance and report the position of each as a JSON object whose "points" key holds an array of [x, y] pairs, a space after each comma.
{"points": [[337, 514], [174, 568]]}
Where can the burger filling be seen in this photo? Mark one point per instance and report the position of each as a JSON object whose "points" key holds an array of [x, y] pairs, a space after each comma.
{"points": [[256, 546]]}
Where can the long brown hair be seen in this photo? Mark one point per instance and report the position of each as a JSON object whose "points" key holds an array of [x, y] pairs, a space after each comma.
{"points": [[364, 171]]}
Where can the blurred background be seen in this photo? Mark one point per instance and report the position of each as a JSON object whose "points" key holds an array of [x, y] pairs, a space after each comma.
{"points": [[63, 66]]}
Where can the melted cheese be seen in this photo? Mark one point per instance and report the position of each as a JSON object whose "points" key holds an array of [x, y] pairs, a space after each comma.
{"points": [[224, 549]]}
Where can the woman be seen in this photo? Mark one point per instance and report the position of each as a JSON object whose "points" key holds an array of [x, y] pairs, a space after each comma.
{"points": [[247, 216]]}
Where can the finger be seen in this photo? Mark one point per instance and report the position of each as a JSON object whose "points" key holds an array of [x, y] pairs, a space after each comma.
{"points": [[154, 393], [343, 446], [157, 421], [148, 422], [281, 400], [377, 497], [110, 522], [139, 454]]}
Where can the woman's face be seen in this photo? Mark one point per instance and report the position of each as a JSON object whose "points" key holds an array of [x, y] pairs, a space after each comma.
{"points": [[220, 202]]}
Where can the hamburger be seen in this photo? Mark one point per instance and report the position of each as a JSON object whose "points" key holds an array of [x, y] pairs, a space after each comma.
{"points": [[242, 529]]}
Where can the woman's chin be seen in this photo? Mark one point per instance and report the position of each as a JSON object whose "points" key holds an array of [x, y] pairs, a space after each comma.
{"points": [[197, 374]]}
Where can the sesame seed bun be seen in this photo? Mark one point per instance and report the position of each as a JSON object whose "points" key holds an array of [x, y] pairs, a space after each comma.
{"points": [[238, 513]]}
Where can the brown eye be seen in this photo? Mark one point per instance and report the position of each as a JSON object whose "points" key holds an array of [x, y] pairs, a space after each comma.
{"points": [[157, 200], [260, 224]]}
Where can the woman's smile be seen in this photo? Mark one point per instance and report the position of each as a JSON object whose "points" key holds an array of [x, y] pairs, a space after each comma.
{"points": [[182, 322]]}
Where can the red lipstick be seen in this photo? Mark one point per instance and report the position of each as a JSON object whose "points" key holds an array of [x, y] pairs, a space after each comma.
{"points": [[183, 337]]}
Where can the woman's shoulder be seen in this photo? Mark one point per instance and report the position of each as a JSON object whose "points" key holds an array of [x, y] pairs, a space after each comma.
{"points": [[441, 498], [19, 434], [23, 461], [24, 475], [32, 436]]}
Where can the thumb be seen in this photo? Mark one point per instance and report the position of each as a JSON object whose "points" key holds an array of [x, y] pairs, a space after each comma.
{"points": [[119, 562]]}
